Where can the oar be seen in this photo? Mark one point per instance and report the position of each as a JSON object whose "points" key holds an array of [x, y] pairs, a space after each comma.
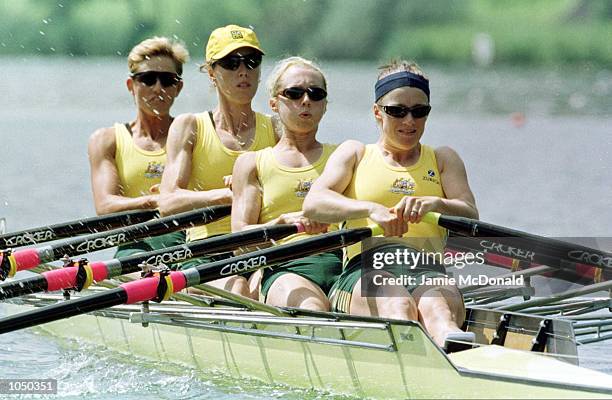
{"points": [[160, 287], [562, 269], [66, 229], [84, 274], [521, 245], [11, 262]]}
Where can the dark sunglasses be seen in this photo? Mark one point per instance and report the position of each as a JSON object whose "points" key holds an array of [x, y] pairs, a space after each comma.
{"points": [[296, 93], [251, 61], [419, 111], [149, 78]]}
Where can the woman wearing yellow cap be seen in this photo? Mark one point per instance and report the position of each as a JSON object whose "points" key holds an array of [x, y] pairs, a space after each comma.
{"points": [[270, 186], [394, 182], [203, 147]]}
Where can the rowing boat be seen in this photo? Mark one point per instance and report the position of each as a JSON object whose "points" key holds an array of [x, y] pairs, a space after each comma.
{"points": [[365, 357], [524, 350]]}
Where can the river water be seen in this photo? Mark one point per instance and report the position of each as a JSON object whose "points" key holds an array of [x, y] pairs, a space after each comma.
{"points": [[537, 144]]}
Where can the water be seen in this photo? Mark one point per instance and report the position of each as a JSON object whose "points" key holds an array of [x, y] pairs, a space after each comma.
{"points": [[86, 371], [550, 176]]}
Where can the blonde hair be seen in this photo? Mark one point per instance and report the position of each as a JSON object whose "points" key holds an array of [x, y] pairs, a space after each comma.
{"points": [[158, 46], [394, 66], [283, 65]]}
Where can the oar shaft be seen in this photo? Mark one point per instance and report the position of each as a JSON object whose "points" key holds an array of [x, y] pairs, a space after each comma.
{"points": [[528, 243], [65, 278], [504, 254], [87, 225], [30, 258], [32, 284], [130, 234], [148, 288], [145, 289], [57, 311]]}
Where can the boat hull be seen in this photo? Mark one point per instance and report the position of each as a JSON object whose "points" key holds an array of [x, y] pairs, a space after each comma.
{"points": [[357, 356]]}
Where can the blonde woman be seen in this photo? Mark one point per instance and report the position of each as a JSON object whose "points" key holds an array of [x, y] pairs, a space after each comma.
{"points": [[127, 160], [270, 185]]}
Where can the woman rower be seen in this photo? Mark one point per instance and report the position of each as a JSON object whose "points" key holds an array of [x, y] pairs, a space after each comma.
{"points": [[270, 185], [127, 160], [393, 182], [203, 147]]}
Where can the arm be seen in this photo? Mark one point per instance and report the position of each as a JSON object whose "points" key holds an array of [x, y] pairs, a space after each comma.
{"points": [[326, 203], [105, 178], [175, 197], [246, 204], [459, 198]]}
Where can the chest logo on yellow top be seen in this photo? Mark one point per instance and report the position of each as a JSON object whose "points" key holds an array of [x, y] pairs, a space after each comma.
{"points": [[431, 177], [155, 169], [302, 188], [403, 186]]}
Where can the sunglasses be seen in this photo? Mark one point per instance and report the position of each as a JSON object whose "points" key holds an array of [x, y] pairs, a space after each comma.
{"points": [[419, 111], [149, 78], [251, 61], [296, 93]]}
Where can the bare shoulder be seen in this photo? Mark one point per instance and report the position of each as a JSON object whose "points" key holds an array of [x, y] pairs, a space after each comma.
{"points": [[102, 140], [447, 157], [182, 134], [184, 124], [351, 149], [245, 163], [103, 134]]}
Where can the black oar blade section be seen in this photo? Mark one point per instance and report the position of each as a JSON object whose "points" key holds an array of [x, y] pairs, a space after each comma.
{"points": [[63, 310]]}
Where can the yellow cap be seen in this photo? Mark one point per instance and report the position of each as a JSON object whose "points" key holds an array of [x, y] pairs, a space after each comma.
{"points": [[223, 41]]}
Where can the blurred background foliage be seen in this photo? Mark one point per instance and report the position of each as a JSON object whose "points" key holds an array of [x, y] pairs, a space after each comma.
{"points": [[536, 32]]}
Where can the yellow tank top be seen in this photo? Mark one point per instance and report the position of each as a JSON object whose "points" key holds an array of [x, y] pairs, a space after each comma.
{"points": [[138, 169], [212, 161], [375, 180], [284, 188]]}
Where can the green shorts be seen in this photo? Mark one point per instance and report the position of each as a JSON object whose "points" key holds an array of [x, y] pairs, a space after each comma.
{"points": [[342, 291], [151, 244], [322, 269]]}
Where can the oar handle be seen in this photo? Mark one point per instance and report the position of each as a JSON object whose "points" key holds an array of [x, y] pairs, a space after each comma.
{"points": [[431, 218]]}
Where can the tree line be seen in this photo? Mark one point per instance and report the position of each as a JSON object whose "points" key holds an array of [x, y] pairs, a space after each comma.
{"points": [[522, 31]]}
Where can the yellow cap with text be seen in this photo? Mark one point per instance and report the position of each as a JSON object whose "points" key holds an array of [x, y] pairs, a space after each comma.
{"points": [[224, 40]]}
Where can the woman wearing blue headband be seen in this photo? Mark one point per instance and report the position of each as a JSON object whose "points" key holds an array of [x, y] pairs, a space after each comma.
{"points": [[392, 183]]}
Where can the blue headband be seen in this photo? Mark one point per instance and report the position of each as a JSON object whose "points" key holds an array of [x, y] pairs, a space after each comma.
{"points": [[400, 79]]}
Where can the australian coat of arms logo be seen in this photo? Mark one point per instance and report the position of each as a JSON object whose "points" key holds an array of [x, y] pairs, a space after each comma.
{"points": [[302, 188], [155, 169], [403, 186]]}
